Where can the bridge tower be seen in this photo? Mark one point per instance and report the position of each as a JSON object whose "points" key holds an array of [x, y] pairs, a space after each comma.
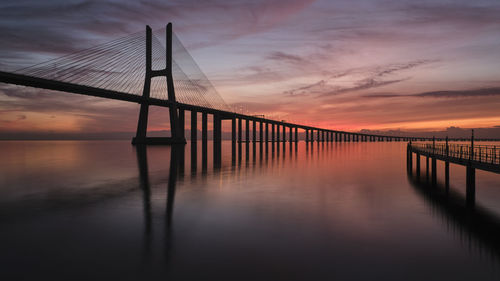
{"points": [[142, 125]]}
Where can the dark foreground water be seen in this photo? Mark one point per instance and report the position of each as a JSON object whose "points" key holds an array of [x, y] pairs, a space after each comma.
{"points": [[75, 210]]}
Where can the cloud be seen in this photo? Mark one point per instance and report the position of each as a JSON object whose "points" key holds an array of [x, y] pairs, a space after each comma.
{"points": [[364, 78], [314, 88], [460, 14], [61, 27], [390, 69], [494, 91], [284, 57], [364, 84]]}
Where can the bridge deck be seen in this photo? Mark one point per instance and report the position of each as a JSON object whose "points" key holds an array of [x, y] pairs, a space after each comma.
{"points": [[43, 83], [24, 80]]}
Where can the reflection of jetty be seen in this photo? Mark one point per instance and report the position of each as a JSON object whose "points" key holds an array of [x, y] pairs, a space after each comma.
{"points": [[477, 228], [483, 157]]}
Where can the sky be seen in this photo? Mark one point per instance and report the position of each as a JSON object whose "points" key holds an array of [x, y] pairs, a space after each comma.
{"points": [[346, 65]]}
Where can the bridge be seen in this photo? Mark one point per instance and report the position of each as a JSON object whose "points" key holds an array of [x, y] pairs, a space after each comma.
{"points": [[124, 69], [483, 157]]}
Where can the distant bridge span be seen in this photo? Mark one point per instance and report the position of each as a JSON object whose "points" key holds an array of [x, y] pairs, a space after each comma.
{"points": [[338, 136]]}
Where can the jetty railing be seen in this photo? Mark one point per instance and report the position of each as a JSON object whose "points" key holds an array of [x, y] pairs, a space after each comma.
{"points": [[484, 154]]}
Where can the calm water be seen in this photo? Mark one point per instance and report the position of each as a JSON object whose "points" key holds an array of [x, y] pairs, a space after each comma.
{"points": [[101, 210]]}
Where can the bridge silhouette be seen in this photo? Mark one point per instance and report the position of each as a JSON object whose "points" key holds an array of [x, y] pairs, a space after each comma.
{"points": [[124, 69]]}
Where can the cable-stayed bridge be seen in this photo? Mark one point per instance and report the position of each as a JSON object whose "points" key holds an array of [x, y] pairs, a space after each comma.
{"points": [[138, 68]]}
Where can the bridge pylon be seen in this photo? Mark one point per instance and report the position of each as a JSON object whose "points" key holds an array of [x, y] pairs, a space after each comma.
{"points": [[142, 125]]}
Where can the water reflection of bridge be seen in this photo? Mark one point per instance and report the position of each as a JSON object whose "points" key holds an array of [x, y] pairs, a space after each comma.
{"points": [[477, 228], [255, 153]]}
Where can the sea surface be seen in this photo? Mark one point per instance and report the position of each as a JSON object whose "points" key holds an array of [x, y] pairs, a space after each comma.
{"points": [[106, 210]]}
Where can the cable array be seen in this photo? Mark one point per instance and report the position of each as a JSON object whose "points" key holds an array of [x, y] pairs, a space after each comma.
{"points": [[119, 65], [190, 80]]}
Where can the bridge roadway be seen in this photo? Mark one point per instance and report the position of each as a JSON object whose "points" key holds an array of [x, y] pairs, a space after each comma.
{"points": [[331, 135]]}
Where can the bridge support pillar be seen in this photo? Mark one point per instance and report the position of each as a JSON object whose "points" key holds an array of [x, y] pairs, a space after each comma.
{"points": [[296, 134], [204, 133], [204, 129], [427, 168], [434, 171], [181, 123], [284, 137], [247, 139], [247, 134], [261, 132], [470, 192], [410, 160], [272, 132], [290, 134], [204, 137], [267, 133], [194, 126], [239, 130], [254, 131], [307, 135], [217, 140], [278, 132], [233, 138], [142, 125], [417, 158], [447, 175]]}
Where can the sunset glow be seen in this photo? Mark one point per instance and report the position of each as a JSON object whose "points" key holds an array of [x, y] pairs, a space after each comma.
{"points": [[346, 65]]}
